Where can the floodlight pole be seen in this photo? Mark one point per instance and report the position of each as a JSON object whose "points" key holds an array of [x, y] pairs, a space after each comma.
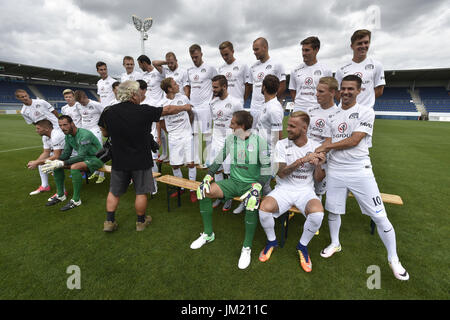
{"points": [[142, 27]]}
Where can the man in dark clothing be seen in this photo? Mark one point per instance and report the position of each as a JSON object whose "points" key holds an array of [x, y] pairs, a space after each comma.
{"points": [[128, 124]]}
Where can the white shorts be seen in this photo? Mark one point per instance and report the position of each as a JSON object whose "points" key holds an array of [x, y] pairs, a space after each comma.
{"points": [[287, 198], [202, 120], [364, 188], [180, 150]]}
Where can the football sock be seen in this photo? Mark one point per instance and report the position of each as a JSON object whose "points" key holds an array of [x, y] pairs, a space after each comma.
{"points": [[44, 178], [251, 222], [58, 174], [111, 216], [192, 173], [304, 250], [177, 173], [141, 218], [268, 224], [77, 182], [311, 226], [387, 234], [206, 211], [334, 223]]}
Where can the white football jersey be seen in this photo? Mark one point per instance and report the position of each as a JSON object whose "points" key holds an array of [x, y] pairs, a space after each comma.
{"points": [[222, 112], [73, 112], [90, 114], [318, 120], [270, 121], [237, 75], [135, 75], [154, 93], [304, 80], [371, 73], [39, 110], [179, 75], [256, 76], [286, 151], [177, 125], [340, 126], [199, 80], [56, 141], [105, 91]]}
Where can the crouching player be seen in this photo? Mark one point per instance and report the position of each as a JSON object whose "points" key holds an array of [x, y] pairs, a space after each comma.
{"points": [[86, 145], [298, 167], [249, 171]]}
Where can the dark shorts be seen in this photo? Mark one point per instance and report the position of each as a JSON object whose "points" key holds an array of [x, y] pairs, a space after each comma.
{"points": [[142, 181]]}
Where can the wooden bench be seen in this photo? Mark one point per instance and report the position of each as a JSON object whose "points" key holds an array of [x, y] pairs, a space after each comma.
{"points": [[107, 168], [175, 184]]}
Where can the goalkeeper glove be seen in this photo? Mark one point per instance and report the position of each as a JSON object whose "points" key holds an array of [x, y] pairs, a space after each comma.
{"points": [[51, 165], [204, 187], [252, 197]]}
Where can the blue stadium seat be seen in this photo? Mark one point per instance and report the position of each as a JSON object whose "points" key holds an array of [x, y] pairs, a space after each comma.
{"points": [[395, 99], [8, 87], [435, 99]]}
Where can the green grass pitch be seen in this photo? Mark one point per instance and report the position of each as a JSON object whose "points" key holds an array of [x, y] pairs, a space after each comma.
{"points": [[38, 243]]}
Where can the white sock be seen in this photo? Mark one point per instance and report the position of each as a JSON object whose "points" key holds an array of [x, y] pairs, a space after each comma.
{"points": [[155, 166], [387, 234], [334, 223], [312, 224], [44, 178], [164, 143], [177, 173], [192, 173], [218, 176], [101, 174], [268, 224]]}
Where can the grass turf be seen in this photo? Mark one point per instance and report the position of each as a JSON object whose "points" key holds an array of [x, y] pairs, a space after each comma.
{"points": [[38, 243]]}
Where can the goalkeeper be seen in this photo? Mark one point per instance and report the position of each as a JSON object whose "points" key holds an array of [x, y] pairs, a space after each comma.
{"points": [[249, 171], [86, 145]]}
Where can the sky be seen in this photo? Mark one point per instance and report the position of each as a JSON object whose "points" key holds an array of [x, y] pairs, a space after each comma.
{"points": [[73, 35]]}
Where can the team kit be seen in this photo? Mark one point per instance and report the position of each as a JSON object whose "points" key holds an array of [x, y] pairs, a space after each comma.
{"points": [[326, 151]]}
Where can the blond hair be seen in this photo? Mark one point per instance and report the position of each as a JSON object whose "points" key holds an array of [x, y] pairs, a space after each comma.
{"points": [[127, 90], [300, 114], [330, 82]]}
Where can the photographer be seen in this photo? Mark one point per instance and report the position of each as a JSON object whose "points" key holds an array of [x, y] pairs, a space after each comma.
{"points": [[128, 125]]}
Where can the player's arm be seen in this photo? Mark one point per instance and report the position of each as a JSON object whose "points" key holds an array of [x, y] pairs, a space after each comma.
{"points": [[40, 160], [319, 173], [171, 109], [55, 113], [293, 94], [281, 90], [161, 124], [158, 64], [379, 91], [284, 170], [349, 142]]}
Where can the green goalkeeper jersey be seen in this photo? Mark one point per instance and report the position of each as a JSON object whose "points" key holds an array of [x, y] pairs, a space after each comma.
{"points": [[250, 159], [85, 143]]}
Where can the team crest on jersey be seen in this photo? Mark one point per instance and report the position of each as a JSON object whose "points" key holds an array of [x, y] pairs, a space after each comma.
{"points": [[320, 123], [359, 74], [261, 76], [180, 102], [203, 70], [342, 127], [176, 74], [269, 67], [369, 67], [354, 115], [309, 81], [236, 68], [228, 105], [317, 73], [228, 75]]}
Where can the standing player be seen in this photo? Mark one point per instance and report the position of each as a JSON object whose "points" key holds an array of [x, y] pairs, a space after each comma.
{"points": [[173, 71], [350, 169], [130, 73], [250, 170], [258, 71], [72, 108], [179, 130], [104, 85], [369, 70], [223, 106], [326, 90], [236, 73], [304, 79], [299, 167], [200, 94], [90, 114], [32, 111]]}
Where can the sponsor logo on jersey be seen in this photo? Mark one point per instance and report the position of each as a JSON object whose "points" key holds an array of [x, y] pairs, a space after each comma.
{"points": [[365, 124], [342, 127]]}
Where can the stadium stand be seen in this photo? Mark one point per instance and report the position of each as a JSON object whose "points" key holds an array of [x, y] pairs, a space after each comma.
{"points": [[395, 99], [7, 88], [435, 99]]}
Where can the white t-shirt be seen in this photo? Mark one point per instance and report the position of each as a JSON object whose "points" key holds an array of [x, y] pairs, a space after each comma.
{"points": [[340, 126], [56, 141], [179, 75], [199, 79], [270, 121], [154, 93], [90, 114], [237, 75], [222, 112], [371, 73], [135, 75], [178, 125], [73, 112], [304, 80], [39, 110], [256, 76], [105, 91], [318, 120], [286, 151]]}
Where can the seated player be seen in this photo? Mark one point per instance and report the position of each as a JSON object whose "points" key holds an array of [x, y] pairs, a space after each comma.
{"points": [[53, 140], [178, 126], [86, 145], [249, 171], [298, 168]]}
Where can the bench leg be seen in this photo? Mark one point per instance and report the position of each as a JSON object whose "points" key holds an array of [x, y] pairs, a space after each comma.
{"points": [[168, 197], [284, 228], [372, 227]]}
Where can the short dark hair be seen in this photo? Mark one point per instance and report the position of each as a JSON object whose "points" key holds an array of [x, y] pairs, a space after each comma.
{"points": [[226, 44], [166, 84], [44, 123], [65, 116], [99, 64], [243, 118], [359, 34], [271, 83], [352, 77], [194, 48], [314, 42], [222, 80], [79, 94], [144, 58], [115, 84], [142, 84]]}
